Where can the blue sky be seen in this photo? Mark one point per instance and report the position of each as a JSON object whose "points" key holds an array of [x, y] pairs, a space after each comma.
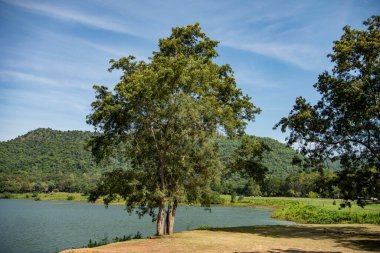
{"points": [[52, 52]]}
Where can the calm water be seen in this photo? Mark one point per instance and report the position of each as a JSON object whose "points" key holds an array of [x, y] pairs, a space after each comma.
{"points": [[28, 226]]}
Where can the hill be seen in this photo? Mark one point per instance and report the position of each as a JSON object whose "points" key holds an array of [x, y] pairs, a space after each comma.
{"points": [[46, 160]]}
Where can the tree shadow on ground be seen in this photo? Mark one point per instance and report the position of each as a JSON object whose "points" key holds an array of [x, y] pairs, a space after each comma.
{"points": [[352, 237], [288, 251]]}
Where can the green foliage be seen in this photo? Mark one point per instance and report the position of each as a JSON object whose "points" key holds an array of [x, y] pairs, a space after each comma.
{"points": [[166, 113], [233, 197], [345, 123], [312, 195], [312, 214], [202, 227], [278, 181], [5, 195], [104, 241], [44, 160], [70, 197]]}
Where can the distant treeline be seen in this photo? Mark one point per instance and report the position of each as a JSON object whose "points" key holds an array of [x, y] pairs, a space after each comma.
{"points": [[46, 160]]}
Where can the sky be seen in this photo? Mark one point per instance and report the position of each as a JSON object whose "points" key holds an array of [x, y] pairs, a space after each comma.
{"points": [[53, 52]]}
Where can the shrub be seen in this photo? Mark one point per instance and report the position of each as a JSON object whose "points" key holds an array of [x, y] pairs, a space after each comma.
{"points": [[202, 227], [5, 195], [104, 241], [70, 197], [312, 195], [233, 197]]}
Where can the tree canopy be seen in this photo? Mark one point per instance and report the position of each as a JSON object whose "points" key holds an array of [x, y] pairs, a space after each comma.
{"points": [[345, 123], [163, 114]]}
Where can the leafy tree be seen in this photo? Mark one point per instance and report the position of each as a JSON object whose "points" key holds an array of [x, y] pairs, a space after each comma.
{"points": [[247, 159], [163, 115], [345, 123]]}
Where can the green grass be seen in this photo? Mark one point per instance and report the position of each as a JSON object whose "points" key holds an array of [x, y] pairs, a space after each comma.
{"points": [[313, 211], [304, 213], [57, 196]]}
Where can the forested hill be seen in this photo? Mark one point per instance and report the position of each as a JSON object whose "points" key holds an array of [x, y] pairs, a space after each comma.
{"points": [[46, 159], [278, 160]]}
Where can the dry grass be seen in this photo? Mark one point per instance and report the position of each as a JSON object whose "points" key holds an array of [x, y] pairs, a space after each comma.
{"points": [[273, 239]]}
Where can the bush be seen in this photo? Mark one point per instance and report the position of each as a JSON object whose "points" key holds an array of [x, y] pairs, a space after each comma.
{"points": [[233, 197], [312, 195], [104, 241], [37, 198], [5, 195], [202, 227], [241, 198], [70, 197]]}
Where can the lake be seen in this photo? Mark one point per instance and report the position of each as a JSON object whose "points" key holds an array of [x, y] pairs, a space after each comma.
{"points": [[29, 226]]}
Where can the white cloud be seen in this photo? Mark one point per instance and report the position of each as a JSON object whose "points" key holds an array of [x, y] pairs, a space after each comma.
{"points": [[15, 75], [91, 20], [234, 28], [301, 55]]}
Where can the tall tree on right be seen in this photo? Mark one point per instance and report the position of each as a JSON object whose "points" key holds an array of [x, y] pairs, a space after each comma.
{"points": [[345, 123]]}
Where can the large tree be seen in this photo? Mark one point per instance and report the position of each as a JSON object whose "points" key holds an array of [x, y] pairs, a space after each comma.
{"points": [[162, 116], [345, 123]]}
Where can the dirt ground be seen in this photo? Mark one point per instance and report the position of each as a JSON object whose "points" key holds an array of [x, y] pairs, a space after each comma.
{"points": [[273, 239]]}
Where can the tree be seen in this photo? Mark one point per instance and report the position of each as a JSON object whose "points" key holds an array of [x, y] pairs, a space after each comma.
{"points": [[345, 123], [162, 115]]}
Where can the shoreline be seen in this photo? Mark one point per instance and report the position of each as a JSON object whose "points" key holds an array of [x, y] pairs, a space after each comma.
{"points": [[296, 238]]}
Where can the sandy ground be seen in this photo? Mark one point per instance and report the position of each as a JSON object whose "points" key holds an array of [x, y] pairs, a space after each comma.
{"points": [[273, 239]]}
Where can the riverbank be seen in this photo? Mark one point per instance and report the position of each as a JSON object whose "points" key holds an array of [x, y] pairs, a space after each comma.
{"points": [[300, 210], [274, 239]]}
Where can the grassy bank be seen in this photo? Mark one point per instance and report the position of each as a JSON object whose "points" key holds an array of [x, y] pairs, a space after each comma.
{"points": [[58, 196], [301, 210], [313, 211], [275, 239]]}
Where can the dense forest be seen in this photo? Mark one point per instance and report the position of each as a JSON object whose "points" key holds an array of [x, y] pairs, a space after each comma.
{"points": [[45, 160]]}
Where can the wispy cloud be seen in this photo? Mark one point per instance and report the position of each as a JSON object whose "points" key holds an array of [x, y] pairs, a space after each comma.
{"points": [[301, 55], [90, 20], [252, 79], [20, 76], [36, 80]]}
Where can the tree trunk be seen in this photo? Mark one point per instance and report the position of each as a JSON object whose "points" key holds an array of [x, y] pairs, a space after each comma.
{"points": [[160, 219], [167, 219], [171, 217]]}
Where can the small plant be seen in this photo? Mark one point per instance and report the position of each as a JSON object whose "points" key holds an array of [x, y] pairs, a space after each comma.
{"points": [[34, 195], [27, 196], [334, 202], [37, 198], [104, 241], [138, 235], [202, 227], [241, 198], [70, 197]]}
